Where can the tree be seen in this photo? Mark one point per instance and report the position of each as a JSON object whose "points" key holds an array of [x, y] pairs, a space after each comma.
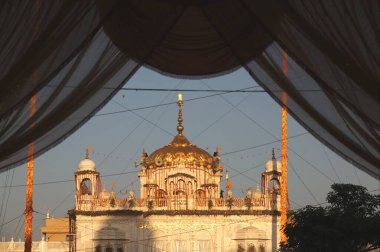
{"points": [[350, 223]]}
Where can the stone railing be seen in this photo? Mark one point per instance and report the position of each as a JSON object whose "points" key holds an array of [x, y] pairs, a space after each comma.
{"points": [[37, 246], [141, 204]]}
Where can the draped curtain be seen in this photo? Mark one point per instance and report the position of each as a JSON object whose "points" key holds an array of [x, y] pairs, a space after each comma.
{"points": [[70, 57]]}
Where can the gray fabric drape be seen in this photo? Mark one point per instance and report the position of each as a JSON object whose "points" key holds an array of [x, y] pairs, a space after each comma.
{"points": [[57, 52], [75, 54], [335, 50]]}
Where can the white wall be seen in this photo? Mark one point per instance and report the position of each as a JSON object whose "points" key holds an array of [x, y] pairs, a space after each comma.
{"points": [[214, 233]]}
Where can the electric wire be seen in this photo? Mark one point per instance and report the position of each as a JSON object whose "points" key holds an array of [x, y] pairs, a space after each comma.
{"points": [[356, 173], [225, 91], [147, 135], [139, 124], [249, 178], [4, 192], [265, 130], [219, 118], [169, 235], [102, 161], [21, 227], [312, 165], [299, 177], [11, 220], [70, 194], [109, 154], [223, 115], [6, 203], [164, 104], [145, 119], [18, 223], [208, 90], [261, 145], [84, 227], [155, 125], [212, 227], [5, 199], [330, 162], [190, 231], [71, 180]]}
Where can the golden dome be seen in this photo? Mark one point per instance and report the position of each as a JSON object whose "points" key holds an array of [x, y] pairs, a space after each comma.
{"points": [[179, 151]]}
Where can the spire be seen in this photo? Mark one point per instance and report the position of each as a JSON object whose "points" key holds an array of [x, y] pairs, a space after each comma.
{"points": [[88, 151], [228, 183], [180, 120], [273, 156], [258, 188]]}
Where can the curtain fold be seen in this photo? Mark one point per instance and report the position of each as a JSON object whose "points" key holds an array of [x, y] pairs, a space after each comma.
{"points": [[57, 53], [334, 49], [333, 70], [69, 65], [74, 55]]}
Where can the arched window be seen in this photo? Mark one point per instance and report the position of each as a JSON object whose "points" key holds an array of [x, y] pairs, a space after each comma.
{"points": [[190, 187], [274, 186], [109, 248], [86, 186], [98, 248], [171, 185], [240, 248], [251, 248], [201, 194], [181, 185], [261, 248], [120, 250], [160, 194], [201, 197], [180, 193]]}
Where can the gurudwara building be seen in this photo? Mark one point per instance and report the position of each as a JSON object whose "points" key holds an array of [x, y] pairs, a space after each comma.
{"points": [[180, 206]]}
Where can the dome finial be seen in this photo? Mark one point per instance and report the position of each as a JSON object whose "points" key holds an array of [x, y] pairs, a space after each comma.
{"points": [[88, 151], [180, 120], [273, 156]]}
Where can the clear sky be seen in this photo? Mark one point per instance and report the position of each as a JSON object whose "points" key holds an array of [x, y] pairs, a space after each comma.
{"points": [[232, 121]]}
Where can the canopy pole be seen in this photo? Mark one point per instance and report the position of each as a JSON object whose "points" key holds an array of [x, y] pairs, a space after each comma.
{"points": [[29, 185], [284, 154], [30, 170]]}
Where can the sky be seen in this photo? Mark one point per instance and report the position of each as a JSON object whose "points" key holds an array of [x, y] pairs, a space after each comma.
{"points": [[232, 121]]}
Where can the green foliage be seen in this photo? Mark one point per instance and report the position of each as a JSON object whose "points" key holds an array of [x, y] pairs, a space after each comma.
{"points": [[351, 222]]}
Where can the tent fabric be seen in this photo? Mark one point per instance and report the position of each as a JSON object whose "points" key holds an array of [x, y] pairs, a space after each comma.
{"points": [[56, 52], [74, 55], [334, 49], [192, 46]]}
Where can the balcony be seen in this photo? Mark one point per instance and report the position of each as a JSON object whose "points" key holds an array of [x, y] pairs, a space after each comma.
{"points": [[176, 204]]}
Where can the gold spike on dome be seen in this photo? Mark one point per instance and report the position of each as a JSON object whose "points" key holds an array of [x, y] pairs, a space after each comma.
{"points": [[88, 150], [180, 120], [179, 150]]}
